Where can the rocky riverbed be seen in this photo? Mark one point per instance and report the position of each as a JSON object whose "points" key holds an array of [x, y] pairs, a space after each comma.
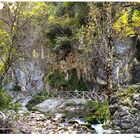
{"points": [[38, 123], [59, 116]]}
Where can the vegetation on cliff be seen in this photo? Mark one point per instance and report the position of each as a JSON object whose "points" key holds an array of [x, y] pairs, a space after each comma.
{"points": [[76, 49]]}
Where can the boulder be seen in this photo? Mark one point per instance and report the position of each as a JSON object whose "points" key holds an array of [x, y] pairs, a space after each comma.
{"points": [[116, 114], [114, 99], [136, 97], [133, 110], [113, 108], [24, 101], [23, 110], [126, 116], [138, 118], [135, 129], [124, 111], [127, 119], [136, 105], [117, 122], [60, 105], [127, 125], [49, 106], [139, 130]]}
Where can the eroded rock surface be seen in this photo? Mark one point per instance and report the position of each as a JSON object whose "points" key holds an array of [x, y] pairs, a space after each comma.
{"points": [[126, 110], [56, 105]]}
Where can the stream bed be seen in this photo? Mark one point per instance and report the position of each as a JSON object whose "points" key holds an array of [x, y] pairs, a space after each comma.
{"points": [[38, 123], [98, 127]]}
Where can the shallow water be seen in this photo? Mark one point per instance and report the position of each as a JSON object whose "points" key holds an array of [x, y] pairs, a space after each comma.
{"points": [[98, 127]]}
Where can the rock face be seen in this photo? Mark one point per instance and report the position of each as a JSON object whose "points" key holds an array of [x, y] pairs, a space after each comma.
{"points": [[29, 69], [29, 76], [124, 52], [28, 72], [126, 111], [56, 105], [124, 57], [135, 72]]}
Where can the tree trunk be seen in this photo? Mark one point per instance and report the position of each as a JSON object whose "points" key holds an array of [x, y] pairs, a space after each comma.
{"points": [[110, 50], [109, 70]]}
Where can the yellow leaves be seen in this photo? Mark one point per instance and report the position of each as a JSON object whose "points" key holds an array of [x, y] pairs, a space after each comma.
{"points": [[39, 6], [35, 54], [121, 22], [12, 6], [123, 27], [124, 18], [136, 19], [27, 13], [3, 33], [1, 67], [129, 31], [4, 39], [128, 27], [34, 8], [50, 18]]}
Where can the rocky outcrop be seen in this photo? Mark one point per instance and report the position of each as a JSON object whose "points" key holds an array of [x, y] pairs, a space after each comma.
{"points": [[125, 110], [56, 105], [125, 52], [29, 69], [29, 76]]}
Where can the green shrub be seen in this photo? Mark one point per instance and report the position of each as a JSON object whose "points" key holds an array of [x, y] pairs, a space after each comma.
{"points": [[100, 112], [77, 11], [57, 80], [74, 83], [128, 92], [92, 120], [62, 43], [15, 106], [104, 126], [5, 100], [54, 31]]}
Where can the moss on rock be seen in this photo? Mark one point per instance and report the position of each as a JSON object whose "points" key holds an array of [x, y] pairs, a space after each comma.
{"points": [[100, 112], [130, 91], [92, 120]]}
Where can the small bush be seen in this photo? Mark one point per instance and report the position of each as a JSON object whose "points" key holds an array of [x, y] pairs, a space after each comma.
{"points": [[100, 112], [63, 43], [92, 120], [15, 106], [5, 100], [54, 31], [57, 80]]}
